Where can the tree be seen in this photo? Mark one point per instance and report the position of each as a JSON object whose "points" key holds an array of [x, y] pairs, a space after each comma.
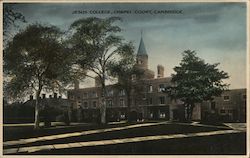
{"points": [[10, 19], [96, 44], [124, 70], [35, 60], [195, 81]]}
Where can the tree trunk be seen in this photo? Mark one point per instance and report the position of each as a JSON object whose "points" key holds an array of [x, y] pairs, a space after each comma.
{"points": [[103, 104], [188, 112], [191, 112], [37, 119], [103, 110]]}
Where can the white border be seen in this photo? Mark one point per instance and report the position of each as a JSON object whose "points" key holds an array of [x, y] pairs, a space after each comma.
{"points": [[130, 1]]}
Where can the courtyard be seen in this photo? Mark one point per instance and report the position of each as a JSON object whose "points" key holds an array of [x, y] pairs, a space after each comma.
{"points": [[122, 138]]}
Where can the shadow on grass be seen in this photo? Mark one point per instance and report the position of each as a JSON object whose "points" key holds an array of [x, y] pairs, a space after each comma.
{"points": [[228, 144], [163, 129]]}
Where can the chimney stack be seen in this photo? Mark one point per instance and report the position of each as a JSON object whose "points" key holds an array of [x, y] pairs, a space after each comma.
{"points": [[160, 71], [55, 95], [44, 96]]}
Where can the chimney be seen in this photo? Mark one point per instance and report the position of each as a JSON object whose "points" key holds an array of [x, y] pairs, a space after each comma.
{"points": [[55, 95], [44, 96], [31, 97], [76, 84], [97, 82], [160, 71]]}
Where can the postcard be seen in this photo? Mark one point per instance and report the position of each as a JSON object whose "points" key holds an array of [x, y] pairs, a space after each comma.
{"points": [[125, 78]]}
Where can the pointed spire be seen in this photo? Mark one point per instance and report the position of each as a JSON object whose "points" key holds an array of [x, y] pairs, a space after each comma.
{"points": [[141, 49]]}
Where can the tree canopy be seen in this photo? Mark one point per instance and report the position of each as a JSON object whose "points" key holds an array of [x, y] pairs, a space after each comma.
{"points": [[96, 44], [195, 81], [36, 60]]}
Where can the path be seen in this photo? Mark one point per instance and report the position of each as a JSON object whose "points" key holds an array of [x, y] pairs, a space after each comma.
{"points": [[31, 149]]}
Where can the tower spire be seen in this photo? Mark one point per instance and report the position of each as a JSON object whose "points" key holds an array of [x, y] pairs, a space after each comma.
{"points": [[142, 49]]}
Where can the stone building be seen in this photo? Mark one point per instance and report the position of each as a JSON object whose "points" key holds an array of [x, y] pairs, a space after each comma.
{"points": [[229, 107], [149, 103], [53, 106]]}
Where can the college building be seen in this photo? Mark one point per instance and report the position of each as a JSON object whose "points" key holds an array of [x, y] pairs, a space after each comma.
{"points": [[151, 103]]}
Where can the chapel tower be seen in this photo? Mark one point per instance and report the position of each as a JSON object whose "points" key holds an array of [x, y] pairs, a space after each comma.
{"points": [[142, 56], [142, 60]]}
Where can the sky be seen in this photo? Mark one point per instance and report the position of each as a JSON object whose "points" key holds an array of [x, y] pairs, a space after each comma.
{"points": [[216, 31]]}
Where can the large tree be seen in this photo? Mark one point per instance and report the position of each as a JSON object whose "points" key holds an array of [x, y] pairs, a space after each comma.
{"points": [[35, 60], [96, 43], [195, 81], [124, 70]]}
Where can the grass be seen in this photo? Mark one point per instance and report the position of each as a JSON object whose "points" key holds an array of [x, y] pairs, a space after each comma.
{"points": [[164, 129], [216, 144], [22, 132], [228, 144]]}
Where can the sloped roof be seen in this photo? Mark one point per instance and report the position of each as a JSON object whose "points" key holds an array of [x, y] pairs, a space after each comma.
{"points": [[142, 49]]}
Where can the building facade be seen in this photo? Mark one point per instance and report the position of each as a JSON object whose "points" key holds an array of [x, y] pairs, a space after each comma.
{"points": [[149, 103], [229, 107], [53, 107]]}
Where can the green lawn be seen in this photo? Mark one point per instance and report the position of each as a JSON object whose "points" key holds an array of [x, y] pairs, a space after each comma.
{"points": [[217, 144], [228, 144]]}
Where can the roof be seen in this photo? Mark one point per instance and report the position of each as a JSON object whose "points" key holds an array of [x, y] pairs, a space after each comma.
{"points": [[142, 49]]}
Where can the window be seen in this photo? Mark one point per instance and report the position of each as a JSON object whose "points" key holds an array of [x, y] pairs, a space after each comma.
{"points": [[122, 92], [123, 116], [110, 103], [162, 115], [85, 95], [94, 104], [161, 87], [150, 88], [222, 111], [226, 98], [94, 94], [85, 105], [162, 100], [110, 93], [144, 96], [150, 101], [213, 105], [122, 103], [151, 115]]}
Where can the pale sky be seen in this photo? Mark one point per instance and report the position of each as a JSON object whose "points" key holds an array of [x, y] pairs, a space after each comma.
{"points": [[216, 31]]}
